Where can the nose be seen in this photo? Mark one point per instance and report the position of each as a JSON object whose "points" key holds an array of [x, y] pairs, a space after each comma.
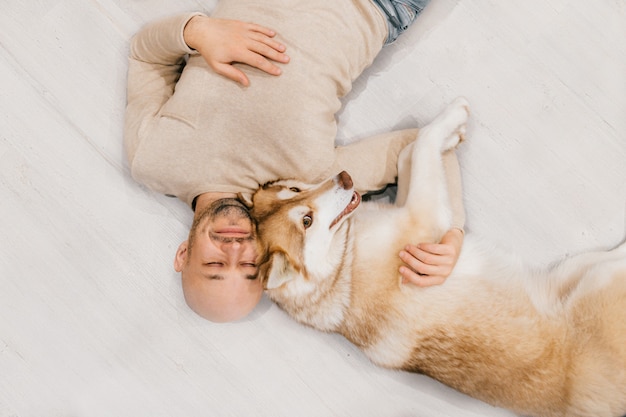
{"points": [[344, 180], [233, 250], [231, 245]]}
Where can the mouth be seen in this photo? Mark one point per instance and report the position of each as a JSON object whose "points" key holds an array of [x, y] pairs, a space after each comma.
{"points": [[233, 231], [354, 203]]}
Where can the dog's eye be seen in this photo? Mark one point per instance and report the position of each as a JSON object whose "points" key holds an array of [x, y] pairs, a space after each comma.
{"points": [[294, 189], [307, 221]]}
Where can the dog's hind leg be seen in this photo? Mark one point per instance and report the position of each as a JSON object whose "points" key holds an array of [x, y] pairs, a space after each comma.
{"points": [[586, 271], [423, 181]]}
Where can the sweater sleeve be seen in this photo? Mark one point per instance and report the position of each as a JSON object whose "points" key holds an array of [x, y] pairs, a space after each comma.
{"points": [[157, 56], [373, 163]]}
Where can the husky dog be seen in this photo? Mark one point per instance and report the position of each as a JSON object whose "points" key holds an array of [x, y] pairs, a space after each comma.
{"points": [[549, 343]]}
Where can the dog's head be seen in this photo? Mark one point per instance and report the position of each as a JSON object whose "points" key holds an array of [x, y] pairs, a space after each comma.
{"points": [[297, 225]]}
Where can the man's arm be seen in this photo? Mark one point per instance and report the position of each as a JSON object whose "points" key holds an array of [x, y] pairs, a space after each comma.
{"points": [[156, 60], [157, 57]]}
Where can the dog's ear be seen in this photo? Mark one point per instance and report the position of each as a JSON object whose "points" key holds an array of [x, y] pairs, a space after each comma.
{"points": [[246, 199], [279, 272]]}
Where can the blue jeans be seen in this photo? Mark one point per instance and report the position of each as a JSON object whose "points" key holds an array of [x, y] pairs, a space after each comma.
{"points": [[400, 14]]}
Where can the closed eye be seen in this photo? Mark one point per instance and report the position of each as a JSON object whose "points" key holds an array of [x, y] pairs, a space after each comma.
{"points": [[294, 189]]}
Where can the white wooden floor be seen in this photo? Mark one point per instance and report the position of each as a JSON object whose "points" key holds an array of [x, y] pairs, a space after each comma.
{"points": [[92, 320]]}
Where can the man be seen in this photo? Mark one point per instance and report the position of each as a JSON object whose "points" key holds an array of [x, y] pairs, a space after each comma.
{"points": [[192, 134]]}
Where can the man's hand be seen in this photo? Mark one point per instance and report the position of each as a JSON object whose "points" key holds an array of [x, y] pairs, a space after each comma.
{"points": [[431, 263], [223, 42]]}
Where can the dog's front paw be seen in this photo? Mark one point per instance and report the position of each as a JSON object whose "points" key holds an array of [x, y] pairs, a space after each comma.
{"points": [[453, 122]]}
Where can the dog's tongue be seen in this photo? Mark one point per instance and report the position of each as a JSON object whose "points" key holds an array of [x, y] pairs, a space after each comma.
{"points": [[354, 203]]}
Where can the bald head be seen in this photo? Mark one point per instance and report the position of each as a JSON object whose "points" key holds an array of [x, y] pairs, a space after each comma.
{"points": [[221, 299]]}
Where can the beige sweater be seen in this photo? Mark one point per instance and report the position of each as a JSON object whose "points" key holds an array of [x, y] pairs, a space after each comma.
{"points": [[189, 131]]}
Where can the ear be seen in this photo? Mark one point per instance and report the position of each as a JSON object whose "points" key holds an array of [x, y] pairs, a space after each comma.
{"points": [[246, 199], [181, 256], [280, 271]]}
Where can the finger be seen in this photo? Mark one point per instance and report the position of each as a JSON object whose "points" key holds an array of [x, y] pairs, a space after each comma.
{"points": [[268, 52], [232, 73], [269, 49], [271, 43], [416, 258], [411, 260], [416, 265], [430, 259], [441, 266], [432, 270], [273, 54], [259, 61], [410, 277], [253, 27], [435, 248]]}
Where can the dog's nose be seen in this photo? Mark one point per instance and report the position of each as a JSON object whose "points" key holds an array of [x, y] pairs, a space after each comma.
{"points": [[344, 180]]}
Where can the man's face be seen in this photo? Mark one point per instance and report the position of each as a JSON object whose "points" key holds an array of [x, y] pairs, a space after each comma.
{"points": [[218, 262]]}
